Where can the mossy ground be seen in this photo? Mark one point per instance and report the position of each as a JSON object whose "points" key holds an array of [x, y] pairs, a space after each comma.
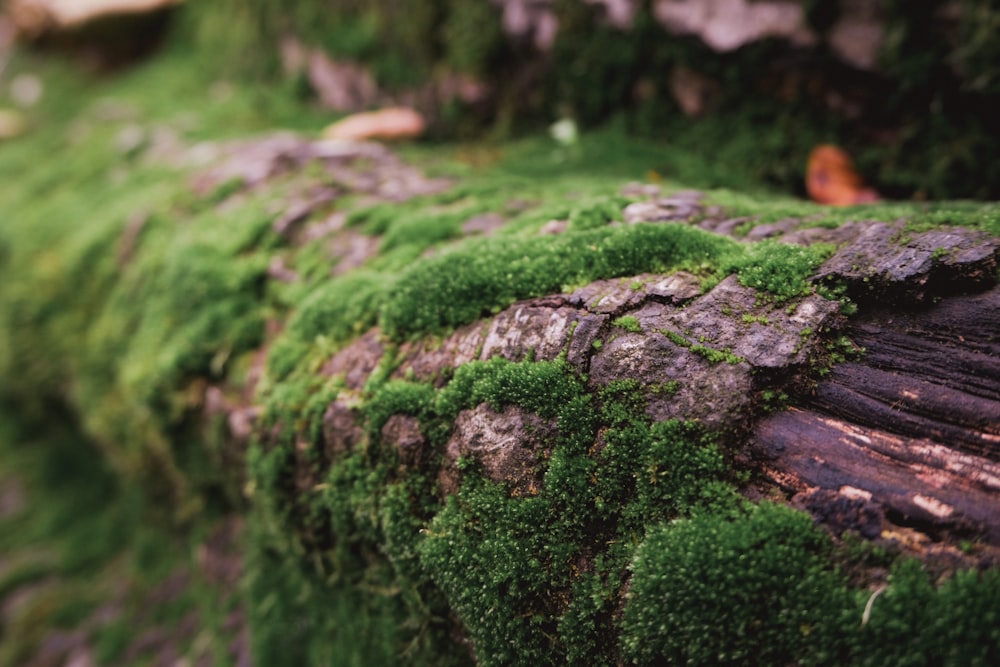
{"points": [[107, 341]]}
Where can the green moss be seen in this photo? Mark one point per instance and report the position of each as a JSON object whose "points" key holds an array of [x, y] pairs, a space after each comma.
{"points": [[700, 588], [717, 356], [355, 558], [420, 223], [665, 388], [589, 501], [712, 355], [543, 387], [397, 397], [83, 537], [781, 270], [516, 556], [476, 278], [628, 323], [597, 214], [519, 558], [489, 560], [912, 623], [335, 312], [290, 609]]}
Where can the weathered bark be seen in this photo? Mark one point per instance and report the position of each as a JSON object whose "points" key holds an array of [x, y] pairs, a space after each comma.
{"points": [[908, 434], [905, 435]]}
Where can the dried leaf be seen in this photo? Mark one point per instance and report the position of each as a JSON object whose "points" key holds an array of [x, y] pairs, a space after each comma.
{"points": [[832, 179]]}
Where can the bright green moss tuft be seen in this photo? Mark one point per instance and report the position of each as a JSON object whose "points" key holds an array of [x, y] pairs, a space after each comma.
{"points": [[479, 277], [333, 313], [488, 555], [201, 301], [710, 354], [398, 398], [597, 214], [779, 269], [340, 309], [914, 623], [628, 323], [759, 587], [593, 505], [419, 232], [621, 402], [518, 559], [713, 590], [543, 387]]}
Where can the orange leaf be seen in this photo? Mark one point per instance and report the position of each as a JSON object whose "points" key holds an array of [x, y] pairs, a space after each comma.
{"points": [[832, 179]]}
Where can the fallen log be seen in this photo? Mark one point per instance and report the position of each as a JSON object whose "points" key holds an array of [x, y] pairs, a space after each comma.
{"points": [[531, 429]]}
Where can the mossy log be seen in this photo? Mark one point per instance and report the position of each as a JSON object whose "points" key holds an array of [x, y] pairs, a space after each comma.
{"points": [[475, 423], [905, 435], [881, 422]]}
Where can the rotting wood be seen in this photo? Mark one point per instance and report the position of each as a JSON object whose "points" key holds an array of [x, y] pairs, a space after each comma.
{"points": [[910, 434]]}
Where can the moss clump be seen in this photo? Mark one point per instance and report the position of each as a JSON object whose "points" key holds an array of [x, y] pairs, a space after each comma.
{"points": [[597, 214], [628, 323], [544, 387], [337, 311], [710, 354], [533, 579], [340, 309], [547, 569], [781, 270], [491, 562], [477, 278], [915, 623], [759, 586], [398, 398], [718, 590]]}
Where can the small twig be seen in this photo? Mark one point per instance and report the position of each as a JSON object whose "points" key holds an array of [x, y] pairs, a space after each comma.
{"points": [[868, 606]]}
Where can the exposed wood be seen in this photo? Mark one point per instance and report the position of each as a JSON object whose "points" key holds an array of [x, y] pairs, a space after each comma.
{"points": [[911, 430]]}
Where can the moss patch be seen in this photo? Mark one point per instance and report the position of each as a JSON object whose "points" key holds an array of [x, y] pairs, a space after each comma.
{"points": [[467, 283], [700, 588], [780, 270]]}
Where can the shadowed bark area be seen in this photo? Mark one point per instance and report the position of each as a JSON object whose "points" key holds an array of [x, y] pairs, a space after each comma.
{"points": [[911, 431]]}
